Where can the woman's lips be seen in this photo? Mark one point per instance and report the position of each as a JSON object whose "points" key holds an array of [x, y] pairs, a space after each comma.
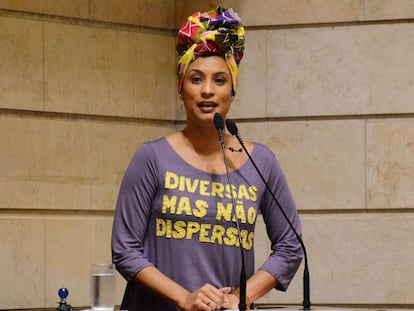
{"points": [[207, 106]]}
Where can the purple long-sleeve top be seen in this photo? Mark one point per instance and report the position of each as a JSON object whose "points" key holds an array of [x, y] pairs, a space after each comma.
{"points": [[179, 219]]}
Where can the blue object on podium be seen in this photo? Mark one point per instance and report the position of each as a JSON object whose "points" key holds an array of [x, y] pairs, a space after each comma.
{"points": [[63, 305]]}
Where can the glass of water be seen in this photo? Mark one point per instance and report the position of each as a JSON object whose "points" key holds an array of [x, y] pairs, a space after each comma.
{"points": [[103, 287]]}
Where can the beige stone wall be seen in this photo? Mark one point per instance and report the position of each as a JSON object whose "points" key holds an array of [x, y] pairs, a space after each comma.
{"points": [[80, 89], [328, 85]]}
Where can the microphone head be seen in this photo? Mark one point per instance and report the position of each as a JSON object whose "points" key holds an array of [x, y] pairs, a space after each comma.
{"points": [[231, 126], [218, 121]]}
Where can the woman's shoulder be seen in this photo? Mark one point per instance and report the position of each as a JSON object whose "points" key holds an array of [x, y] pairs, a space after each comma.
{"points": [[148, 148], [260, 149], [264, 156], [154, 144]]}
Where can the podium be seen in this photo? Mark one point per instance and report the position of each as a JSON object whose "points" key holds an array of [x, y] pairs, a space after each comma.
{"points": [[319, 308]]}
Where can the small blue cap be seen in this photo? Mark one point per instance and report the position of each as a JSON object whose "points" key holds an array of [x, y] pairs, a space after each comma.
{"points": [[63, 293]]}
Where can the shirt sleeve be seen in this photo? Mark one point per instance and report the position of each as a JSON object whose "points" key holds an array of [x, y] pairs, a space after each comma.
{"points": [[133, 209], [286, 250]]}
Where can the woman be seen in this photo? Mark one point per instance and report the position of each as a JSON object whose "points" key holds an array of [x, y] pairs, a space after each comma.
{"points": [[175, 239]]}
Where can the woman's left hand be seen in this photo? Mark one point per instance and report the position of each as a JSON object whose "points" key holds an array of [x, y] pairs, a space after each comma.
{"points": [[231, 301]]}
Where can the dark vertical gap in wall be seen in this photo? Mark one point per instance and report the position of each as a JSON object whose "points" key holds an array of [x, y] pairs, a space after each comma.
{"points": [[365, 165], [43, 66], [44, 263]]}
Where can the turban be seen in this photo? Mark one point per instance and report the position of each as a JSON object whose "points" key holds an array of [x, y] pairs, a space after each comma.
{"points": [[216, 32]]}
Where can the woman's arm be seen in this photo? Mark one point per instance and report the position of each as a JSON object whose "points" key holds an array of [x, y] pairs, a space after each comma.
{"points": [[257, 286], [260, 284]]}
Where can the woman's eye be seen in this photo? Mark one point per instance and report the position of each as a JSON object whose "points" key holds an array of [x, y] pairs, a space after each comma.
{"points": [[220, 81], [195, 79]]}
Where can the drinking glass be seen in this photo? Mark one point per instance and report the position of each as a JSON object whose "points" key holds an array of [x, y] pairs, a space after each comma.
{"points": [[103, 287]]}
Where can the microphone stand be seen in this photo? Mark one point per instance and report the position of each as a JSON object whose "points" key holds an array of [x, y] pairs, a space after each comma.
{"points": [[219, 124], [231, 126]]}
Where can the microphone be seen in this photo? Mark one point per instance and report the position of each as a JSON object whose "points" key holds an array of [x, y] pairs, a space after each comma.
{"points": [[219, 124], [232, 127]]}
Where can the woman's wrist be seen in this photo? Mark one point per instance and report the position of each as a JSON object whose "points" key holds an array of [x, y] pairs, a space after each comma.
{"points": [[236, 292]]}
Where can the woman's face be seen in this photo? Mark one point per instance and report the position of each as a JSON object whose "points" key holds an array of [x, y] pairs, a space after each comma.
{"points": [[207, 89]]}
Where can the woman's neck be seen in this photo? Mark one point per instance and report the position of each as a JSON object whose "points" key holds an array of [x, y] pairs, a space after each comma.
{"points": [[202, 140], [201, 148]]}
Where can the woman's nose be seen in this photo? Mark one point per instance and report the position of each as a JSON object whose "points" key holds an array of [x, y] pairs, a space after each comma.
{"points": [[208, 88]]}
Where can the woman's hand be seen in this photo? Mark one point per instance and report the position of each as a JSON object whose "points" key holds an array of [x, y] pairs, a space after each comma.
{"points": [[232, 302], [206, 298]]}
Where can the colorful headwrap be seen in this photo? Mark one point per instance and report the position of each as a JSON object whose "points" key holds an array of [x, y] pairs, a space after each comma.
{"points": [[217, 32]]}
